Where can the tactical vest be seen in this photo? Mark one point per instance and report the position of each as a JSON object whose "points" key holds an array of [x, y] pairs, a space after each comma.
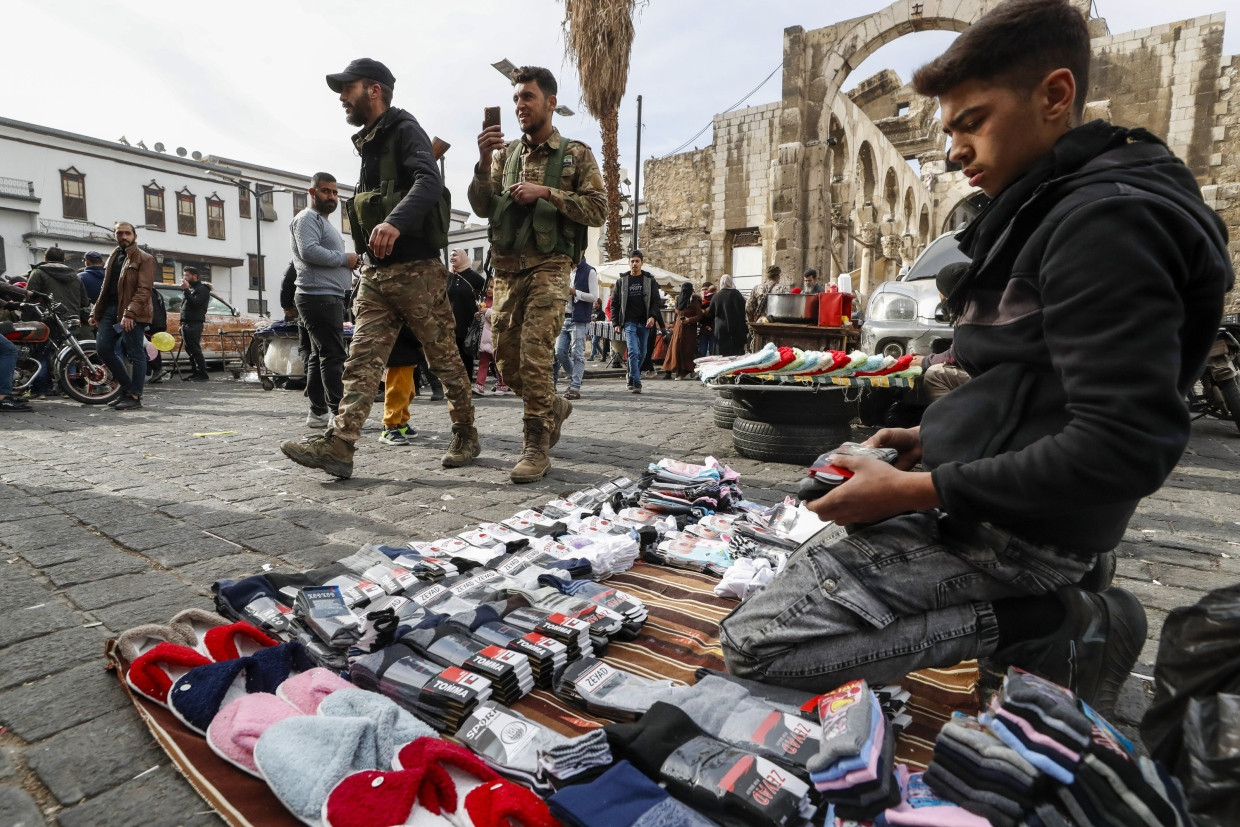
{"points": [[515, 227], [370, 208]]}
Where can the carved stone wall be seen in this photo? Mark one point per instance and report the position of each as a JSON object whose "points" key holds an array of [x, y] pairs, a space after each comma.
{"points": [[679, 207]]}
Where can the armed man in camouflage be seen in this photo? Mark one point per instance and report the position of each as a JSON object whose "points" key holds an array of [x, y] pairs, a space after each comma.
{"points": [[540, 193], [399, 219]]}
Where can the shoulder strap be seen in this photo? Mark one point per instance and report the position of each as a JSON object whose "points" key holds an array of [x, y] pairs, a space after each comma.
{"points": [[555, 165], [513, 167], [388, 170]]}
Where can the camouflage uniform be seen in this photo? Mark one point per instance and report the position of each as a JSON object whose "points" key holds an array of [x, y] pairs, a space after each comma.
{"points": [[531, 286], [755, 307], [413, 292]]}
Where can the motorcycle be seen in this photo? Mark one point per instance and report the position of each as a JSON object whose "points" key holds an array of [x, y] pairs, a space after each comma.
{"points": [[77, 367], [1217, 392]]}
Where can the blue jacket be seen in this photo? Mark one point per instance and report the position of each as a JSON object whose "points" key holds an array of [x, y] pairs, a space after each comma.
{"points": [[92, 277]]}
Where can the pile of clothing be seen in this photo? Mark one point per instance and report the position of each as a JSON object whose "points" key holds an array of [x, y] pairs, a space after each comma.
{"points": [[1041, 756], [812, 366]]}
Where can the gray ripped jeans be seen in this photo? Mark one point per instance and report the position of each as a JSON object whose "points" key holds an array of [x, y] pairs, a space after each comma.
{"points": [[911, 592]]}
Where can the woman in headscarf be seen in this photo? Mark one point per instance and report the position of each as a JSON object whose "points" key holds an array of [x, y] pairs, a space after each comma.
{"points": [[727, 311], [683, 348]]}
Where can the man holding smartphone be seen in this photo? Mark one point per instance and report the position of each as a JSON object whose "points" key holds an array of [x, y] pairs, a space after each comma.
{"points": [[540, 193], [398, 219]]}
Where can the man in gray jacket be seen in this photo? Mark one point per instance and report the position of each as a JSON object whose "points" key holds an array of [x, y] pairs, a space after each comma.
{"points": [[324, 277]]}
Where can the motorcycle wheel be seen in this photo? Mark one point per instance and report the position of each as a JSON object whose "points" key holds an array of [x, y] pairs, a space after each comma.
{"points": [[1231, 395], [88, 381]]}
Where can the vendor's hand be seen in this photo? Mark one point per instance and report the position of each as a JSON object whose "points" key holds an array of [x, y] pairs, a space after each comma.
{"points": [[906, 441], [126, 324], [383, 239], [875, 492], [650, 323], [490, 140], [351, 260], [525, 193], [918, 359]]}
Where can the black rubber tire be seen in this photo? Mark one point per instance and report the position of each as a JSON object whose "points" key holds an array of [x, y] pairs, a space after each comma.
{"points": [[1231, 395], [822, 409], [89, 384], [780, 442], [1100, 576], [724, 413]]}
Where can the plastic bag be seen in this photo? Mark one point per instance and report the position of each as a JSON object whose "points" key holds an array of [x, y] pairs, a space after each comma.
{"points": [[1193, 725]]}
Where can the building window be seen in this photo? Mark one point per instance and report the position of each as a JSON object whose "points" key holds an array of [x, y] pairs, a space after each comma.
{"points": [[73, 193], [243, 200], [153, 196], [299, 202], [257, 272], [346, 229], [187, 213], [266, 204], [168, 273], [215, 217], [477, 256], [253, 306]]}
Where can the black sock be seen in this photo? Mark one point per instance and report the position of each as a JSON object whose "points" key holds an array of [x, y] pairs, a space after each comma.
{"points": [[1027, 618]]}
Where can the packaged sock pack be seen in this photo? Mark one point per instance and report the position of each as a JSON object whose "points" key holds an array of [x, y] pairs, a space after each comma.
{"points": [[622, 797], [322, 609], [528, 752], [628, 607], [441, 697], [547, 657], [509, 672], [730, 785], [920, 807], [603, 689], [573, 633]]}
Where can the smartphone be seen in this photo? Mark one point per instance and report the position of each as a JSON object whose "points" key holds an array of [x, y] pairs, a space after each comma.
{"points": [[490, 116], [439, 146]]}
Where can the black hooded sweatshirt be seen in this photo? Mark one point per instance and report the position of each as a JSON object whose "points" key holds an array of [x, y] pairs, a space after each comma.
{"points": [[1095, 292], [62, 284]]}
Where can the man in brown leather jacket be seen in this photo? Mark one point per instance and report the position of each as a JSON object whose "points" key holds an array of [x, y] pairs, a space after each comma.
{"points": [[123, 311]]}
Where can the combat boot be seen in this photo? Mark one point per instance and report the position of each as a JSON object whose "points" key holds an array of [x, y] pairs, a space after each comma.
{"points": [[327, 452], [535, 460], [464, 448], [561, 409]]}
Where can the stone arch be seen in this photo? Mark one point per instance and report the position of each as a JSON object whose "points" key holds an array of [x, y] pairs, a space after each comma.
{"points": [[910, 205], [923, 228], [837, 139], [891, 193]]}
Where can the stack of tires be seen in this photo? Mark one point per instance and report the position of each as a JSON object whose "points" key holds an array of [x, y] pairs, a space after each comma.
{"points": [[789, 426], [722, 410]]}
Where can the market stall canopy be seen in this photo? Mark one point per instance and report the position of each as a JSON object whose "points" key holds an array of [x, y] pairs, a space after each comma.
{"points": [[611, 271]]}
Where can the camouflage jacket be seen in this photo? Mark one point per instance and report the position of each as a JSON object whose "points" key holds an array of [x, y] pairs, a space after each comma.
{"points": [[580, 196], [755, 307]]}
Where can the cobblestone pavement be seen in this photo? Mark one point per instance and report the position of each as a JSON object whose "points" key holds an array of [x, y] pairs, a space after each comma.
{"points": [[109, 520]]}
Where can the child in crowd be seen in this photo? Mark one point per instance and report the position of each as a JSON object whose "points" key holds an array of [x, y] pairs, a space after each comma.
{"points": [[486, 351]]}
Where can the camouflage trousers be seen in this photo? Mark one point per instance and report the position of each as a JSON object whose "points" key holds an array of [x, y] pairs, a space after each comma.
{"points": [[413, 292], [526, 318]]}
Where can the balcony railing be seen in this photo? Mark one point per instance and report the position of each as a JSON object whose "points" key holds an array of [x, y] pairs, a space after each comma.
{"points": [[16, 186], [71, 229]]}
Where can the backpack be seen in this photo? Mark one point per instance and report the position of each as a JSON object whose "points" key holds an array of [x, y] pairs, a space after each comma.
{"points": [[159, 313]]}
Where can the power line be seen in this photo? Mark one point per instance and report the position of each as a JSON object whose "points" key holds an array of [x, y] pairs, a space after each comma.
{"points": [[752, 92]]}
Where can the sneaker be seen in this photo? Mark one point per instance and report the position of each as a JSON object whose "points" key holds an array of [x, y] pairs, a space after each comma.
{"points": [[572, 393], [1093, 651], [395, 436], [128, 403], [116, 401], [13, 404], [326, 452], [480, 390], [200, 377], [636, 388], [504, 391], [314, 420]]}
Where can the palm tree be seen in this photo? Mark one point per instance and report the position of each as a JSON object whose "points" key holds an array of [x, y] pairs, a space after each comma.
{"points": [[598, 38]]}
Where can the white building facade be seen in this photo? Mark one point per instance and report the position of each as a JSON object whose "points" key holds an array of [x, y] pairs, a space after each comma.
{"points": [[227, 218]]}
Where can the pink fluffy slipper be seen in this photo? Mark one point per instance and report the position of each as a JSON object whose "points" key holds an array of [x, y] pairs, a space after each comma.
{"points": [[236, 728]]}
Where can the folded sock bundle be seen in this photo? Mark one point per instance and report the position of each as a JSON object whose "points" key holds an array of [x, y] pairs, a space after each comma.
{"points": [[424, 567], [547, 657], [438, 598], [441, 697], [626, 605], [795, 701], [323, 611], [604, 623], [684, 551], [728, 784], [529, 752], [856, 754], [450, 645], [601, 688], [745, 576], [254, 600], [622, 797], [920, 807]]}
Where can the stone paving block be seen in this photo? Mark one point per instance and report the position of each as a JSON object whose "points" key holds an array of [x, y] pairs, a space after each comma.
{"points": [[45, 707], [31, 659], [98, 566], [157, 608], [95, 756], [281, 538], [78, 545], [206, 572], [34, 620], [192, 546], [18, 809], [19, 584], [27, 512], [127, 587], [312, 558], [7, 768], [158, 798]]}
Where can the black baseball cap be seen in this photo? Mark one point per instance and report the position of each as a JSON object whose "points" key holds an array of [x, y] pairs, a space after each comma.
{"points": [[363, 67], [93, 256]]}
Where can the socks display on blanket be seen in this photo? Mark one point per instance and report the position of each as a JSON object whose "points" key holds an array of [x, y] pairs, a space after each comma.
{"points": [[603, 689], [1039, 754], [528, 752]]}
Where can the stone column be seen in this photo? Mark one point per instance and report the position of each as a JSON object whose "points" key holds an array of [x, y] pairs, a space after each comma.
{"points": [[867, 234]]}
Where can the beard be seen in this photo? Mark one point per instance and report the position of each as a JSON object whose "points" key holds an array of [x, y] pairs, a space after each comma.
{"points": [[533, 127], [324, 207], [360, 115]]}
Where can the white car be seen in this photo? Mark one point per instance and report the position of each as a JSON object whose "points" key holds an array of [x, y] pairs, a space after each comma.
{"points": [[905, 315]]}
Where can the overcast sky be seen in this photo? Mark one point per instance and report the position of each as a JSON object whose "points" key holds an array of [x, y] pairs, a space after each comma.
{"points": [[244, 80]]}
